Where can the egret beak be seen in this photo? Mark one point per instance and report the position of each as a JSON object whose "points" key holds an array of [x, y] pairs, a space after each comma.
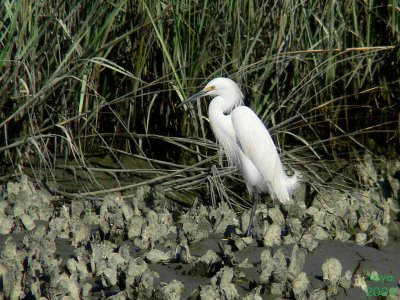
{"points": [[192, 98]]}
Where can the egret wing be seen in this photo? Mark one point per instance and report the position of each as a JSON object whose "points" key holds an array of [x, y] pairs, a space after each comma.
{"points": [[258, 146]]}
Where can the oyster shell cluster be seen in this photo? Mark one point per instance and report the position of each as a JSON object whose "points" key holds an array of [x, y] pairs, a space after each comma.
{"points": [[125, 248]]}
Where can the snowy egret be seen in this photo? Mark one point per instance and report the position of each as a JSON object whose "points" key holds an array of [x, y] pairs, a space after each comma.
{"points": [[246, 142]]}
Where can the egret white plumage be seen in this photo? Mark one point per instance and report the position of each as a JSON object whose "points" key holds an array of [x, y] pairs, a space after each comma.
{"points": [[246, 142]]}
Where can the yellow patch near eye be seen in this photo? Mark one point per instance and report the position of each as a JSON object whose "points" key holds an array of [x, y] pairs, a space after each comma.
{"points": [[210, 88]]}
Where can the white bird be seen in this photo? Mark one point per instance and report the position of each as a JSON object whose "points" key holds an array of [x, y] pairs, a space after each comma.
{"points": [[246, 142]]}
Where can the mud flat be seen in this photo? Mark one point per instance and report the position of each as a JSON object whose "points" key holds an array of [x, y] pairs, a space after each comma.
{"points": [[344, 245]]}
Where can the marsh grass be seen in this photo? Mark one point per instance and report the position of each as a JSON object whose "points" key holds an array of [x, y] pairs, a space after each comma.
{"points": [[94, 77]]}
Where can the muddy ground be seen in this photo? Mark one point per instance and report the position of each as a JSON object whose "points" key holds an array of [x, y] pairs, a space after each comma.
{"points": [[344, 245]]}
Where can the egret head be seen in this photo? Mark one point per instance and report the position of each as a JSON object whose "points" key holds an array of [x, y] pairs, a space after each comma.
{"points": [[220, 86]]}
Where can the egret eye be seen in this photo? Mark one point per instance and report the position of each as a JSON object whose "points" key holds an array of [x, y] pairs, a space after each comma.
{"points": [[210, 88]]}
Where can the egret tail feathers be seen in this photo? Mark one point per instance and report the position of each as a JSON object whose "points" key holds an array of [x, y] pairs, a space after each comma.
{"points": [[284, 186], [292, 182]]}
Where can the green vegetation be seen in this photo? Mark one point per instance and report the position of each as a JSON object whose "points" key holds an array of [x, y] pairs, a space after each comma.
{"points": [[95, 77]]}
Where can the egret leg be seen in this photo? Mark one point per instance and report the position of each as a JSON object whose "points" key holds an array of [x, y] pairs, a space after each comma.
{"points": [[255, 197]]}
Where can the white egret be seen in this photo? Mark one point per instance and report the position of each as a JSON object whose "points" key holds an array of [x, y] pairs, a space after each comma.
{"points": [[246, 142]]}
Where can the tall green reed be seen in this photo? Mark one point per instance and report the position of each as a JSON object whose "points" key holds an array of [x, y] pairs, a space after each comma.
{"points": [[324, 77]]}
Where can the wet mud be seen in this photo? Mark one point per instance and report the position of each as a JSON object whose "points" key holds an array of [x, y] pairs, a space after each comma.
{"points": [[344, 245]]}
